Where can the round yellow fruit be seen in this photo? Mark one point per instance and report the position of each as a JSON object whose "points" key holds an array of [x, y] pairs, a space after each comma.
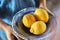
{"points": [[28, 20], [41, 15], [38, 27]]}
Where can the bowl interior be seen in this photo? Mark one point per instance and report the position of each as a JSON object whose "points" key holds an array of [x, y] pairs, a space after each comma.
{"points": [[23, 32]]}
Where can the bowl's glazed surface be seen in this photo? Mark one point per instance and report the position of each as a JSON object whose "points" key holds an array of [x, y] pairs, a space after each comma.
{"points": [[51, 26]]}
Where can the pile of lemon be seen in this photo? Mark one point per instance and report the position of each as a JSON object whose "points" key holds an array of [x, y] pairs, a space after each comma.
{"points": [[36, 22]]}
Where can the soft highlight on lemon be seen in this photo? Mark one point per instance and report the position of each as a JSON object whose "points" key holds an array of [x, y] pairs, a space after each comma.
{"points": [[41, 15], [38, 27], [28, 20]]}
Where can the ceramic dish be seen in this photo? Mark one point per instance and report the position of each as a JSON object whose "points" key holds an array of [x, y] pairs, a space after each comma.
{"points": [[24, 32]]}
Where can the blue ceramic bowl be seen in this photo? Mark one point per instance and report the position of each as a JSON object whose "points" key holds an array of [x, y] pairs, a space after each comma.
{"points": [[24, 33]]}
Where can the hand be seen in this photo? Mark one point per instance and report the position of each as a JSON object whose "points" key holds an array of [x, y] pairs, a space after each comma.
{"points": [[11, 35]]}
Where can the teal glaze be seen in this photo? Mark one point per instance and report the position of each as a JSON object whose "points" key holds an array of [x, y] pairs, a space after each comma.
{"points": [[3, 35], [8, 8]]}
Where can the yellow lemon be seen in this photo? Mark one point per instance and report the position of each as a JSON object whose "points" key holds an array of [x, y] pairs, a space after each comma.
{"points": [[41, 15], [38, 27], [28, 20]]}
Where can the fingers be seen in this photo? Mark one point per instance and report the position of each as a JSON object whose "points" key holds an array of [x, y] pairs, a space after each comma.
{"points": [[9, 31], [15, 35]]}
